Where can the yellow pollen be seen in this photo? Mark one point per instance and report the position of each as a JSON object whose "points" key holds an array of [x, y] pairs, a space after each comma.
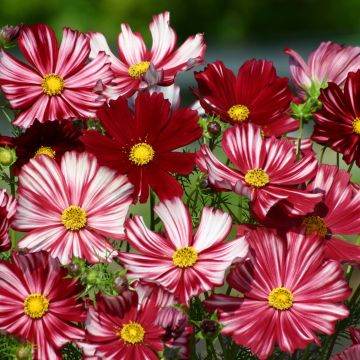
{"points": [[315, 223], [185, 257], [239, 112], [132, 333], [139, 69], [356, 126], [257, 177], [52, 84], [36, 306], [141, 154], [281, 298], [45, 150], [74, 218]]}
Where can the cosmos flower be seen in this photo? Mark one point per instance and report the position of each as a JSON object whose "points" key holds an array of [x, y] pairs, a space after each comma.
{"points": [[330, 62], [353, 351], [39, 304], [141, 144], [58, 84], [337, 124], [137, 68], [267, 171], [256, 95], [288, 285], [7, 211], [184, 264], [69, 208]]}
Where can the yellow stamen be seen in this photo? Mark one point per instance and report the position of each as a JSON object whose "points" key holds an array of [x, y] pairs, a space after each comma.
{"points": [[257, 177], [185, 257], [315, 223], [356, 126], [141, 154], [45, 150], [239, 112], [139, 69], [74, 218], [132, 333], [36, 306], [52, 84], [281, 298]]}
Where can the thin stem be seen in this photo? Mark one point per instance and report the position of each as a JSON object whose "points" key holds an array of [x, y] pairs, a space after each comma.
{"points": [[350, 167], [305, 353], [6, 115], [332, 343], [211, 350], [228, 290], [322, 154], [337, 159], [13, 191], [298, 150], [152, 213]]}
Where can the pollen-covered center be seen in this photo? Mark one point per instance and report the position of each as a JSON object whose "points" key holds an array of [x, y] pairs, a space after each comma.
{"points": [[281, 298], [315, 223], [132, 333], [185, 257], [257, 177], [141, 154], [52, 84], [238, 112], [356, 126], [74, 218], [45, 150], [36, 306], [138, 69]]}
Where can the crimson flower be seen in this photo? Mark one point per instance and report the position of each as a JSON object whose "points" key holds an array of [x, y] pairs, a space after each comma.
{"points": [[256, 95], [69, 208], [330, 62], [183, 264], [59, 83], [7, 212], [288, 285], [39, 304], [337, 124], [267, 171], [141, 143], [137, 68]]}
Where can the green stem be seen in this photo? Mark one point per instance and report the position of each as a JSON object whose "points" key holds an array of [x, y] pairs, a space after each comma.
{"points": [[337, 159], [354, 297], [211, 350], [332, 343], [298, 150], [13, 191], [350, 167], [228, 290], [6, 115], [305, 353], [322, 154], [152, 213]]}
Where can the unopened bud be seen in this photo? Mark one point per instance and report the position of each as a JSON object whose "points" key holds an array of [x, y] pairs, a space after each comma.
{"points": [[214, 128], [7, 156], [74, 269], [8, 35], [209, 327], [22, 353], [120, 284]]}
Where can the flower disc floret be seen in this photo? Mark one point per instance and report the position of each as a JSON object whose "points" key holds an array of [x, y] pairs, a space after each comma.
{"points": [[239, 112], [281, 298], [36, 306], [132, 333], [137, 70], [74, 218], [52, 84], [315, 223], [45, 150], [185, 257], [356, 126], [141, 154], [257, 177]]}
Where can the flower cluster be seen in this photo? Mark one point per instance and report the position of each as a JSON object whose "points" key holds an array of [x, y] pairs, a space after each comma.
{"points": [[134, 228]]}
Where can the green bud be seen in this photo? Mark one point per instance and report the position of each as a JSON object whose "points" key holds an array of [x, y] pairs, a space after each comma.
{"points": [[92, 277], [7, 156]]}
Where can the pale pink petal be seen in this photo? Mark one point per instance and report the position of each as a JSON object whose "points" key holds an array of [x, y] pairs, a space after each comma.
{"points": [[300, 72]]}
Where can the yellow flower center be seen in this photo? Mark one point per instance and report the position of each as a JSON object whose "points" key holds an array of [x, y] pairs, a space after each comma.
{"points": [[141, 154], [132, 333], [45, 150], [139, 69], [281, 298], [74, 218], [36, 306], [185, 257], [257, 177], [356, 126], [239, 112], [315, 223], [52, 84]]}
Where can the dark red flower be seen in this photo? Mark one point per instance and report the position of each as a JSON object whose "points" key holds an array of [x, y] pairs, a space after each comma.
{"points": [[256, 95], [141, 144], [7, 212], [337, 124]]}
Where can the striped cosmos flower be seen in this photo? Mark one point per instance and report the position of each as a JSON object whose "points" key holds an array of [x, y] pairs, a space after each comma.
{"points": [[7, 212], [69, 208], [183, 264], [58, 84]]}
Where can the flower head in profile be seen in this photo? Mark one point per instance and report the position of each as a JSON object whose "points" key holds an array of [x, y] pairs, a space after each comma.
{"points": [[70, 208], [138, 68], [267, 171], [256, 95], [142, 143], [288, 285], [330, 62], [39, 304], [7, 212], [184, 264], [57, 84]]}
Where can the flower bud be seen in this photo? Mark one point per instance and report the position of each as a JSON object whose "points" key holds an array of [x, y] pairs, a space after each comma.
{"points": [[209, 327], [74, 269], [120, 284], [8, 35], [7, 156], [92, 277], [22, 352], [214, 128]]}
